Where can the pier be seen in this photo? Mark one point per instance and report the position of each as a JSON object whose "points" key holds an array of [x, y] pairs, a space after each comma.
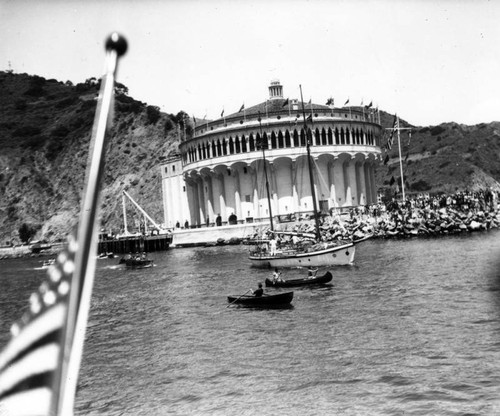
{"points": [[134, 244]]}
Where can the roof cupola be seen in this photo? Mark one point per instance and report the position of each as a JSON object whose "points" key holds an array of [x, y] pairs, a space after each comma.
{"points": [[275, 90]]}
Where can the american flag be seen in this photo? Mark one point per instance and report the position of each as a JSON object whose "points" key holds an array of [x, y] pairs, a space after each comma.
{"points": [[39, 366], [30, 364], [390, 141]]}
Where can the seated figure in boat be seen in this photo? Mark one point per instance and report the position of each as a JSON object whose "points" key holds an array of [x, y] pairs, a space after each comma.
{"points": [[312, 273], [258, 292], [277, 276]]}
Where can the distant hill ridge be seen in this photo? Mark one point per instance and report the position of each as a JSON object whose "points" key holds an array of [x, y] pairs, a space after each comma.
{"points": [[45, 128]]}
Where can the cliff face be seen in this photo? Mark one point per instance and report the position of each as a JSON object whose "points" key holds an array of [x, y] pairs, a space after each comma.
{"points": [[45, 128]]}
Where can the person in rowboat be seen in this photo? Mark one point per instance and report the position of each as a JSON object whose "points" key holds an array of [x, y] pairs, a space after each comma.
{"points": [[277, 276], [312, 273], [258, 292]]}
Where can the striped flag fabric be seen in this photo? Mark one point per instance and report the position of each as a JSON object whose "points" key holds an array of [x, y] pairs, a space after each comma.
{"points": [[39, 366], [395, 126], [30, 364]]}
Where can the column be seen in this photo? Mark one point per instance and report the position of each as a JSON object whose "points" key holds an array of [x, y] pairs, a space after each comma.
{"points": [[360, 177], [339, 182]]}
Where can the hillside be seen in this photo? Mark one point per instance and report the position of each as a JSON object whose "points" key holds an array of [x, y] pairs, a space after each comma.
{"points": [[443, 158], [45, 128]]}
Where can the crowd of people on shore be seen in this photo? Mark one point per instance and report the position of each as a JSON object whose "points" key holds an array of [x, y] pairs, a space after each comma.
{"points": [[421, 215]]}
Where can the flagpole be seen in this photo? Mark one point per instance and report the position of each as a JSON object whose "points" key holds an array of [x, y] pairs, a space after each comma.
{"points": [[401, 162], [84, 265]]}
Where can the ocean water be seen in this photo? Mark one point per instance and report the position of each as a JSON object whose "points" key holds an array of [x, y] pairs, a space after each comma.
{"points": [[412, 328]]}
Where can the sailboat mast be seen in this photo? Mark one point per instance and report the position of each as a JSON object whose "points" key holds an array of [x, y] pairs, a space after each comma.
{"points": [[265, 174], [309, 165], [401, 162], [124, 215]]}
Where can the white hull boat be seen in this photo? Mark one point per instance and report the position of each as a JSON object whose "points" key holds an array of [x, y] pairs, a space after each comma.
{"points": [[341, 255]]}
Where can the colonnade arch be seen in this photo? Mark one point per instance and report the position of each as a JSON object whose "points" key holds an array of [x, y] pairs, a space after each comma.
{"points": [[340, 181]]}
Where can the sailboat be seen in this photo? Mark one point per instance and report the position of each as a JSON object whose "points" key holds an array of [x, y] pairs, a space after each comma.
{"points": [[319, 253]]}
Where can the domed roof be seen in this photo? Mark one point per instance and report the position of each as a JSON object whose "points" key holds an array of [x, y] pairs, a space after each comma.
{"points": [[277, 105]]}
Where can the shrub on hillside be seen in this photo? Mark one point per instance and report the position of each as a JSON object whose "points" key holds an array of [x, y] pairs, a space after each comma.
{"points": [[26, 232], [437, 130], [60, 131], [26, 131], [153, 114], [420, 186]]}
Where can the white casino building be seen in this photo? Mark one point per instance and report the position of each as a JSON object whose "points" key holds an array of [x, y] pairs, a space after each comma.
{"points": [[220, 169]]}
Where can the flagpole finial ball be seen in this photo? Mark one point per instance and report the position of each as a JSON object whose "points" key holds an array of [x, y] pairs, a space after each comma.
{"points": [[117, 43]]}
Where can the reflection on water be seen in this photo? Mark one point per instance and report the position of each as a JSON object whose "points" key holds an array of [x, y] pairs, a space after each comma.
{"points": [[413, 328]]}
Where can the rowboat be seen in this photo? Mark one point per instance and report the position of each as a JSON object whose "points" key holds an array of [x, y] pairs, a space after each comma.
{"points": [[306, 281], [138, 263], [264, 301]]}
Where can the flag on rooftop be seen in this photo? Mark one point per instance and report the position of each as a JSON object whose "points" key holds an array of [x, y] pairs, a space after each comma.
{"points": [[347, 102], [222, 113], [369, 105], [242, 108], [285, 103]]}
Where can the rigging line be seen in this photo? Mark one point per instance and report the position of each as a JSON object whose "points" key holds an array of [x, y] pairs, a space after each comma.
{"points": [[323, 184]]}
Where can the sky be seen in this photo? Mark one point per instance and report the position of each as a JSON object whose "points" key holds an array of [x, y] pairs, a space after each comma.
{"points": [[428, 61]]}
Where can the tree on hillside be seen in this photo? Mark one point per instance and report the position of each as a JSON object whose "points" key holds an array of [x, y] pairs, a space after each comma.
{"points": [[153, 113], [26, 232]]}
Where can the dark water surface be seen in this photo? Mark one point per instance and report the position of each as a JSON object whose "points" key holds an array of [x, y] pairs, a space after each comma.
{"points": [[413, 328]]}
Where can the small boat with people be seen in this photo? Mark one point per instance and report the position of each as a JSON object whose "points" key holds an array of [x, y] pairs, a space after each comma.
{"points": [[136, 262], [311, 279], [47, 263], [264, 301]]}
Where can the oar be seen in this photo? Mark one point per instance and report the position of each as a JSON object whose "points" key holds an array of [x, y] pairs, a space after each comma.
{"points": [[239, 297]]}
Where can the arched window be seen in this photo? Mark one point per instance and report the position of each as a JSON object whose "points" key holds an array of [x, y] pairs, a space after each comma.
{"points": [[237, 144], [231, 146], [224, 147], [342, 137], [347, 136], [317, 137], [295, 138], [219, 148], [243, 144], [302, 137], [204, 151], [214, 150], [274, 145], [251, 143], [281, 144], [330, 136], [323, 137], [337, 136], [199, 152], [287, 139]]}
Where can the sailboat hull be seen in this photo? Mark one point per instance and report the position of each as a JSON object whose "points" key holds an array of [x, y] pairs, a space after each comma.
{"points": [[333, 256]]}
